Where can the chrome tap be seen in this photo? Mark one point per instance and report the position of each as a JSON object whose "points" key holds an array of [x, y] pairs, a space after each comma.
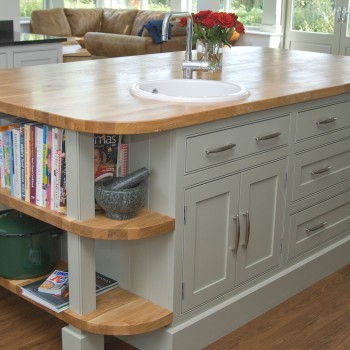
{"points": [[188, 65]]}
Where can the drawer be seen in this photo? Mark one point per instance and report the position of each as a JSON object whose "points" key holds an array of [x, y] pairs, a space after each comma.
{"points": [[34, 58], [318, 224], [321, 120], [219, 146], [320, 168]]}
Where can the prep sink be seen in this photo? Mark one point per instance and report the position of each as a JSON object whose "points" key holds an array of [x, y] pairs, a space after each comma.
{"points": [[188, 90]]}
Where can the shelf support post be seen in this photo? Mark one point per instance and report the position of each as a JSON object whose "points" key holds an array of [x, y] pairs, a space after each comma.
{"points": [[81, 250]]}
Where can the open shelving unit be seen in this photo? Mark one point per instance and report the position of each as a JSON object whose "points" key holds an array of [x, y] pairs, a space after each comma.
{"points": [[115, 312], [118, 311]]}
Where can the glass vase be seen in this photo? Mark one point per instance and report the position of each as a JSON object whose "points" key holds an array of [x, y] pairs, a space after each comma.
{"points": [[210, 51]]}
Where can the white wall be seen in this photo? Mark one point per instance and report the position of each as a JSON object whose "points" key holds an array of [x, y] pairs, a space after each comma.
{"points": [[9, 10]]}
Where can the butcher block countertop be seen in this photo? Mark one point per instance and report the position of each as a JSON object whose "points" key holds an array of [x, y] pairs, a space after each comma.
{"points": [[94, 96]]}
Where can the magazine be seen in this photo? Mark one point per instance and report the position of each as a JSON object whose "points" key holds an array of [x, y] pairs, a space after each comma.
{"points": [[56, 283], [58, 303], [110, 156]]}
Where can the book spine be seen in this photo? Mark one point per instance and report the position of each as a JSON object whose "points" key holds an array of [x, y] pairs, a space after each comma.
{"points": [[39, 165], [2, 174], [32, 166], [16, 163], [10, 162], [6, 179], [53, 171], [57, 171], [27, 157], [22, 160], [48, 168], [62, 209], [44, 166]]}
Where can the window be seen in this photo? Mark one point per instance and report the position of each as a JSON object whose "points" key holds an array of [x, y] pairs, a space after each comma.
{"points": [[154, 5], [27, 6], [79, 3], [249, 12], [316, 16]]}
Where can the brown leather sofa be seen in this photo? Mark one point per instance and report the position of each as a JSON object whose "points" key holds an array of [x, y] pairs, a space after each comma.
{"points": [[107, 32]]}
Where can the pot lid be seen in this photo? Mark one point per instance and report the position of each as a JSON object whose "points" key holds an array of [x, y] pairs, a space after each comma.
{"points": [[13, 222]]}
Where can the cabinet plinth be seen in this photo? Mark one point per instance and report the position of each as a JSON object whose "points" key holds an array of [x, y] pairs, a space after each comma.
{"points": [[146, 224]]}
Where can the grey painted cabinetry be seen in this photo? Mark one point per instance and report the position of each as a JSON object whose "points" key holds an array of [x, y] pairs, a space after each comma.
{"points": [[17, 56], [262, 210], [233, 224], [321, 173], [232, 231]]}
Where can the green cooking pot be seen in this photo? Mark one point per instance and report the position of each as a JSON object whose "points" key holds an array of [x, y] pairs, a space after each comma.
{"points": [[28, 247]]}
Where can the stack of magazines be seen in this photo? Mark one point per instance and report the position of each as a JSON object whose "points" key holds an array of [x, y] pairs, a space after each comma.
{"points": [[56, 298]]}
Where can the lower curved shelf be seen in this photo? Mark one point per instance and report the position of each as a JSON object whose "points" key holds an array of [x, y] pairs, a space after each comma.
{"points": [[118, 312]]}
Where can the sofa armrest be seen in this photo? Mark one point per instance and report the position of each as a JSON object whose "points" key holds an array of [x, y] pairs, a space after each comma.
{"points": [[118, 45]]}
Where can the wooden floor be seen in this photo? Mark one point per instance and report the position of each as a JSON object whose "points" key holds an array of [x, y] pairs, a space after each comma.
{"points": [[317, 318]]}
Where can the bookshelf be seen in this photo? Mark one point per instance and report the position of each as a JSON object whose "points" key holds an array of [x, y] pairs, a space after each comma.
{"points": [[118, 311]]}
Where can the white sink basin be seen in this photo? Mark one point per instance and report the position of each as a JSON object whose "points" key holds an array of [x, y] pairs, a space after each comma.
{"points": [[188, 90]]}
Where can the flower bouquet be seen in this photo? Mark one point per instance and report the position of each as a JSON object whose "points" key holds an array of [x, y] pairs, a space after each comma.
{"points": [[213, 30]]}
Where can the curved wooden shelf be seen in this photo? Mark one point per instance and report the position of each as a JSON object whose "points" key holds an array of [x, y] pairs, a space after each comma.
{"points": [[118, 312], [146, 224]]}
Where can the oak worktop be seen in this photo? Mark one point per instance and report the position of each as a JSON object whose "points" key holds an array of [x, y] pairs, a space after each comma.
{"points": [[93, 96]]}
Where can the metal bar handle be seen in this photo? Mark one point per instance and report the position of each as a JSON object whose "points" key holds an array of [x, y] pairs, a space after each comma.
{"points": [[238, 233], [327, 121], [220, 149], [317, 227], [247, 232], [268, 137], [321, 171]]}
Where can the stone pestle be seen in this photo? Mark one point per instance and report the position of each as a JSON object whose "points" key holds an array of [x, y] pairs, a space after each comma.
{"points": [[128, 181]]}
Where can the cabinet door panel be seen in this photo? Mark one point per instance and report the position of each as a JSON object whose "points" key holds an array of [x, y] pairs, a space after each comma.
{"points": [[4, 60], [209, 238], [262, 197]]}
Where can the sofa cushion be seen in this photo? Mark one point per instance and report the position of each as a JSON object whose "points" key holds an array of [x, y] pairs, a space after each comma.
{"points": [[82, 21], [117, 21], [144, 17], [50, 22]]}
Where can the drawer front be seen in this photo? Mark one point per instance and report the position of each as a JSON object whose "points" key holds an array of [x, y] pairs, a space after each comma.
{"points": [[320, 168], [216, 147], [34, 58], [321, 120], [318, 224]]}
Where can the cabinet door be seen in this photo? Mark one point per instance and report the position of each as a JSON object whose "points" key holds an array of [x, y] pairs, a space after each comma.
{"points": [[261, 210], [209, 240], [4, 60]]}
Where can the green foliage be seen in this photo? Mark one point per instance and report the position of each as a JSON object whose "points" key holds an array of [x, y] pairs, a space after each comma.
{"points": [[314, 16], [159, 5], [249, 12], [27, 6]]}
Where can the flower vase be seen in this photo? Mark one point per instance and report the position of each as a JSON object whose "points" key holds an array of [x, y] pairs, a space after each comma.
{"points": [[210, 51]]}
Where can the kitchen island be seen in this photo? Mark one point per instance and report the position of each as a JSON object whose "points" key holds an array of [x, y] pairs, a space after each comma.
{"points": [[254, 224]]}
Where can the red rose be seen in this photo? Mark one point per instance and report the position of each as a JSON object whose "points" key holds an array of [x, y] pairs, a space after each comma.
{"points": [[240, 27], [183, 22], [203, 14], [209, 22], [224, 20]]}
